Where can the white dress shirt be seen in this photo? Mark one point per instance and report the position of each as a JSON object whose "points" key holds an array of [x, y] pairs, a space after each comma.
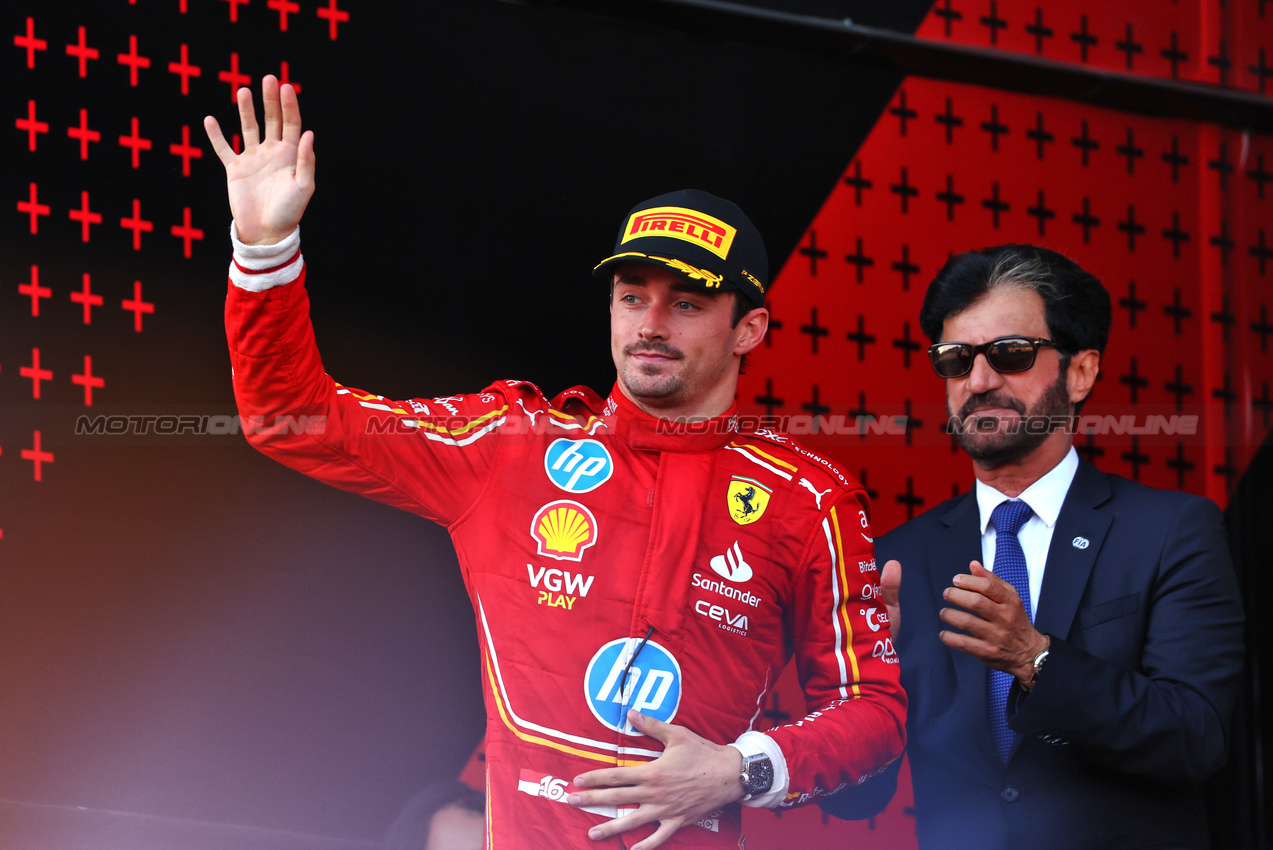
{"points": [[1045, 498]]}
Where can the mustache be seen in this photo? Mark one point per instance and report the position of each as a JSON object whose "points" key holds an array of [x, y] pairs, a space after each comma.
{"points": [[653, 347], [990, 400]]}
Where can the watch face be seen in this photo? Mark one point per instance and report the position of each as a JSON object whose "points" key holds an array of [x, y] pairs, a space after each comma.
{"points": [[760, 776]]}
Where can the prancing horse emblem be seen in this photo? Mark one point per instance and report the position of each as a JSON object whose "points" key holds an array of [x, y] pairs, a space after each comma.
{"points": [[748, 499]]}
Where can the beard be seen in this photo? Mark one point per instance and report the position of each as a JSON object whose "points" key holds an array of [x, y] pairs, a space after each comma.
{"points": [[1010, 442], [649, 382]]}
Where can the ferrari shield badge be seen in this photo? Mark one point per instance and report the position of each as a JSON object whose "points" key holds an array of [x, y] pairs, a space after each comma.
{"points": [[748, 499]]}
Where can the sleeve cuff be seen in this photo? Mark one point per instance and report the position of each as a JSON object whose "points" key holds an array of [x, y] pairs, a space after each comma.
{"points": [[752, 743], [257, 268]]}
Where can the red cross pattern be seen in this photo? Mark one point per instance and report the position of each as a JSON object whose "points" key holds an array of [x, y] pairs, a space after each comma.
{"points": [[283, 79], [333, 16], [185, 150], [185, 232], [30, 43], [84, 134], [81, 50], [37, 455], [185, 69], [31, 125], [35, 290], [85, 216], [233, 77], [86, 297], [133, 60], [35, 373], [34, 208], [88, 381], [234, 9], [137, 224], [137, 306], [283, 7], [136, 143]]}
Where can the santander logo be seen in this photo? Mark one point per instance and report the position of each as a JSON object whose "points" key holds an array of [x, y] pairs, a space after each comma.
{"points": [[731, 565]]}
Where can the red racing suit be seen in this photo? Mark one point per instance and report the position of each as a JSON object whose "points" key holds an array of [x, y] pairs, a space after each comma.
{"points": [[613, 560]]}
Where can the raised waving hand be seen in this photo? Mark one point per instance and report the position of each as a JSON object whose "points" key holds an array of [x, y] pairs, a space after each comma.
{"points": [[271, 182]]}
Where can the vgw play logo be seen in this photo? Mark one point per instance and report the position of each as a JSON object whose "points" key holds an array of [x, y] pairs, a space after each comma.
{"points": [[578, 466], [652, 685]]}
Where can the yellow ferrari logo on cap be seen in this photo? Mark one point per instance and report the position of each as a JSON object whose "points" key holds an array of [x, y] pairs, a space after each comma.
{"points": [[748, 499], [684, 224]]}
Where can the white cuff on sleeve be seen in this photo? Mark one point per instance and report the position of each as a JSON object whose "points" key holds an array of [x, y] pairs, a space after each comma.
{"points": [[752, 743], [257, 268]]}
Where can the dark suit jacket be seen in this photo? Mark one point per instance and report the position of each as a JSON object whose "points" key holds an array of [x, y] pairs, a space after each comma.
{"points": [[1132, 708]]}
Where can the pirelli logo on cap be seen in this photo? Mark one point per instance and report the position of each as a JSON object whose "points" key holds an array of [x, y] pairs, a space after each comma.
{"points": [[686, 225]]}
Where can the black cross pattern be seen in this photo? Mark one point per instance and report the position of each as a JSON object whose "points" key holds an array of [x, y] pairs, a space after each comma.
{"points": [[905, 190], [1039, 135], [905, 267], [813, 252], [1129, 47], [1132, 305], [1086, 220], [859, 259], [861, 338], [903, 112], [907, 345], [1177, 387], [1131, 227], [1180, 464], [949, 120], [1083, 38], [950, 197], [1177, 311], [858, 183], [1133, 380], [1086, 144], [813, 329], [769, 400], [1042, 213], [995, 204], [993, 22], [1038, 30]]}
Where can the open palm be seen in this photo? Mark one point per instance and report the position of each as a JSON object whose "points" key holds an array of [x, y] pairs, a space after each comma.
{"points": [[272, 180]]}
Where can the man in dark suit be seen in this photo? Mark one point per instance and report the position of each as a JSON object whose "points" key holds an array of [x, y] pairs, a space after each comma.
{"points": [[1075, 695]]}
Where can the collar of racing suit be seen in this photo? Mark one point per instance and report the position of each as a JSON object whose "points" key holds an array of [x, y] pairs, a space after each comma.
{"points": [[652, 433]]}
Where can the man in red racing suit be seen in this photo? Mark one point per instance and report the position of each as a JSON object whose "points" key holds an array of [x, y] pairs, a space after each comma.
{"points": [[638, 582]]}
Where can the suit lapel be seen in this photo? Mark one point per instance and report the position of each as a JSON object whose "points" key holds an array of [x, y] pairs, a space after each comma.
{"points": [[1070, 560], [948, 553]]}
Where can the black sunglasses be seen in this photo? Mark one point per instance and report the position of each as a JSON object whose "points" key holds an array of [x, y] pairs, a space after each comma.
{"points": [[1005, 354]]}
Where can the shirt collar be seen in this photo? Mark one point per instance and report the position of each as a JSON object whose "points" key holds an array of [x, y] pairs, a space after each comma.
{"points": [[652, 433], [1044, 496]]}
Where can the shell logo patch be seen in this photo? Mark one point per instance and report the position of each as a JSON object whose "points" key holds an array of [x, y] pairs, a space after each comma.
{"points": [[564, 530], [747, 499]]}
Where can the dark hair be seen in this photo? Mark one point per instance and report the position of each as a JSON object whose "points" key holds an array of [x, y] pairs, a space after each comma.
{"points": [[410, 831], [1076, 305]]}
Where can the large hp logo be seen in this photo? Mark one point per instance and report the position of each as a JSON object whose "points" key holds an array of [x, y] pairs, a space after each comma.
{"points": [[652, 685], [578, 466]]}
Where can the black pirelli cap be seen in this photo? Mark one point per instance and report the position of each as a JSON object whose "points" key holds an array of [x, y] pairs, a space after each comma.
{"points": [[706, 240]]}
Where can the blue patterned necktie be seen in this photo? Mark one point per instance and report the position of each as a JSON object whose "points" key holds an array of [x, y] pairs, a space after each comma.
{"points": [[1010, 566]]}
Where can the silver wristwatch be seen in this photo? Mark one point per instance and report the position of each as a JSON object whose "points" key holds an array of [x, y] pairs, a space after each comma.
{"points": [[1037, 666], [757, 775]]}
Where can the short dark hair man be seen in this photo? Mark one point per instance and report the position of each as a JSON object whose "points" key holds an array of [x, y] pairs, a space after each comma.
{"points": [[631, 561], [1077, 695]]}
